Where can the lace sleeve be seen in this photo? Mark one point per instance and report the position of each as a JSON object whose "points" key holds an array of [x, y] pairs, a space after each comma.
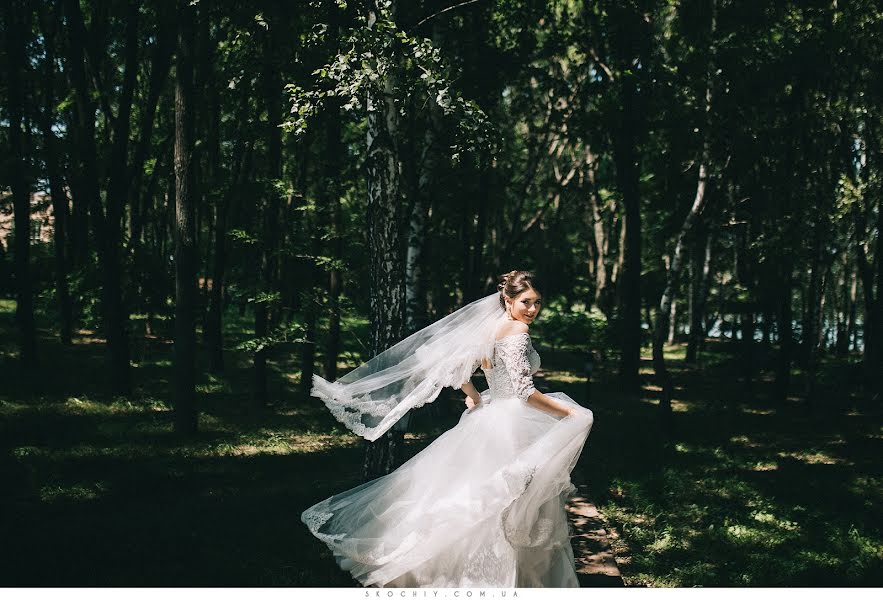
{"points": [[512, 351]]}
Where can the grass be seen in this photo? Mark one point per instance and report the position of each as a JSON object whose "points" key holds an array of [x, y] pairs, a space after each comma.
{"points": [[99, 491]]}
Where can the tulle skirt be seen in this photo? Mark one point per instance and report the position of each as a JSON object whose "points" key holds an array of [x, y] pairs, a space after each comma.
{"points": [[481, 506]]}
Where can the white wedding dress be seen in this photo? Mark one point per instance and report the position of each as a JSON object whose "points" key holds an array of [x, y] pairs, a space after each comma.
{"points": [[481, 506]]}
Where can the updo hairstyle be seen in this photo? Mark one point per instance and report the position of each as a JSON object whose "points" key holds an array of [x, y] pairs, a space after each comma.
{"points": [[515, 283]]}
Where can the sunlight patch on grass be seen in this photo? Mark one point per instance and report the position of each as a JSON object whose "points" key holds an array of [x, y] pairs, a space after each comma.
{"points": [[744, 440], [77, 492], [212, 388], [758, 411], [83, 405], [679, 406], [270, 442], [8, 408], [754, 536], [675, 352], [769, 518], [814, 458], [765, 465], [563, 377]]}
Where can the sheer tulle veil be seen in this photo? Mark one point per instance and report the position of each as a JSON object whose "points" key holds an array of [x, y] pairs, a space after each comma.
{"points": [[372, 397]]}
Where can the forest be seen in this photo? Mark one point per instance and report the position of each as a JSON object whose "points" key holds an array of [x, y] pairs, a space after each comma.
{"points": [[203, 203]]}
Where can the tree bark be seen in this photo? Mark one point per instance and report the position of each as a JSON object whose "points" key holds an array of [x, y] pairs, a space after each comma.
{"points": [[106, 226], [213, 332], [185, 243], [630, 40], [15, 15], [672, 278], [264, 317], [701, 276], [60, 212], [603, 282], [387, 265], [627, 172], [334, 149]]}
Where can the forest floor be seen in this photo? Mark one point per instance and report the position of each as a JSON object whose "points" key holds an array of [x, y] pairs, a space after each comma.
{"points": [[99, 491]]}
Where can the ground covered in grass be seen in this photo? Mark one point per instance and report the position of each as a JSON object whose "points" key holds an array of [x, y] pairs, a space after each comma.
{"points": [[99, 491]]}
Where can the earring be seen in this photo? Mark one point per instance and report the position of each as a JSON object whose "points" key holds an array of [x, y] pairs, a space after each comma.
{"points": [[509, 312]]}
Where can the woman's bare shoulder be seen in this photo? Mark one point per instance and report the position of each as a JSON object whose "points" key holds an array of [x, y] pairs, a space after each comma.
{"points": [[511, 328]]}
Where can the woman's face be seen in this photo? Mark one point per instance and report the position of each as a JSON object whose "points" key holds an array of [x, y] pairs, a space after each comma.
{"points": [[526, 307]]}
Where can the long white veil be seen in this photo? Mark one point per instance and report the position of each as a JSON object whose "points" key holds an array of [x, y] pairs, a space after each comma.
{"points": [[372, 397]]}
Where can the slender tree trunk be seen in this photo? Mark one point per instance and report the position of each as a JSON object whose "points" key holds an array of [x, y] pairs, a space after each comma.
{"points": [[420, 190], [700, 280], [335, 286], [852, 312], [786, 336], [603, 291], [333, 166], [877, 364], [185, 242], [160, 64], [213, 332], [264, 316], [60, 212], [106, 226], [672, 322], [625, 153], [814, 310], [672, 278], [316, 227], [15, 19], [387, 265]]}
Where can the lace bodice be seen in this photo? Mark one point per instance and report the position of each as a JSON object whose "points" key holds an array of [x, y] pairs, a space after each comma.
{"points": [[515, 362]]}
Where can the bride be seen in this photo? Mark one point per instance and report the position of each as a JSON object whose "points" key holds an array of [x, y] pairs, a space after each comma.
{"points": [[483, 504]]}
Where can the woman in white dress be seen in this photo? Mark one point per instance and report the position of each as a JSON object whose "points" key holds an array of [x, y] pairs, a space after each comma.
{"points": [[483, 504]]}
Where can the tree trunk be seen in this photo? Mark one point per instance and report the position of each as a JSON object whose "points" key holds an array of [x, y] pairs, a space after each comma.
{"points": [[213, 332], [673, 276], [185, 242], [333, 165], [603, 289], [672, 322], [812, 316], [877, 360], [627, 172], [316, 228], [852, 313], [106, 226], [786, 336], [160, 64], [387, 265], [264, 316], [701, 276], [60, 213], [15, 15]]}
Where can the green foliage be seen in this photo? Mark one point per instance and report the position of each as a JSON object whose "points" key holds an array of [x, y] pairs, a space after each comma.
{"points": [[572, 327], [282, 334], [377, 50], [243, 237]]}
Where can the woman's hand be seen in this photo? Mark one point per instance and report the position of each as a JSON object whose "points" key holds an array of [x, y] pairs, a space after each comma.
{"points": [[471, 395]]}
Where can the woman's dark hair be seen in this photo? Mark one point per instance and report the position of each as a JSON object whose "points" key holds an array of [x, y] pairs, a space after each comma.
{"points": [[514, 283]]}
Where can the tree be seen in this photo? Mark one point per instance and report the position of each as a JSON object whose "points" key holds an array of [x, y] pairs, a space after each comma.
{"points": [[185, 243], [17, 25]]}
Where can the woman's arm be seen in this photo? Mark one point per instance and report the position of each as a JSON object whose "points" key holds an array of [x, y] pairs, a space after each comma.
{"points": [[547, 404], [473, 397]]}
